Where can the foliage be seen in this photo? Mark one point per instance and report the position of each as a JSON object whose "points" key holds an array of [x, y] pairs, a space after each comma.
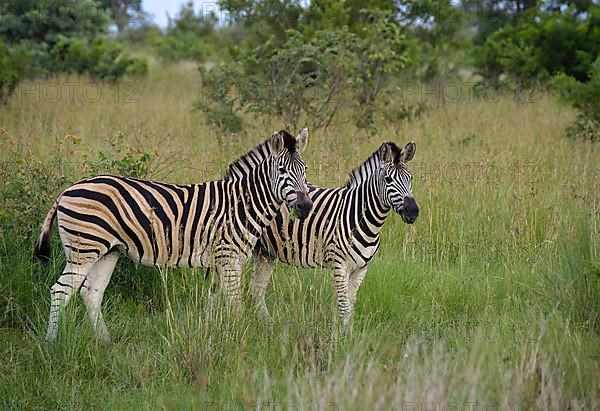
{"points": [[267, 20], [43, 22], [307, 80], [271, 18], [585, 97], [182, 46], [541, 44], [13, 63], [220, 98], [123, 12], [380, 52], [186, 36], [123, 160], [29, 185], [99, 57], [297, 80], [49, 36]]}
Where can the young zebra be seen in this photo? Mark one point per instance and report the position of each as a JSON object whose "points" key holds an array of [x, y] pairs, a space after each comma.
{"points": [[196, 225], [342, 230]]}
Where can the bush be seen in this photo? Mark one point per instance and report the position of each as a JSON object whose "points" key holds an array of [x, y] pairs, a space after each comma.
{"points": [[29, 185], [123, 160], [99, 57], [306, 79], [585, 97], [542, 44], [186, 36], [182, 46], [13, 62], [301, 79], [45, 37], [218, 100], [381, 51]]}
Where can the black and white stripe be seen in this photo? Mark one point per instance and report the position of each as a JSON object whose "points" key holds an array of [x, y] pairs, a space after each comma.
{"points": [[342, 230], [214, 224]]}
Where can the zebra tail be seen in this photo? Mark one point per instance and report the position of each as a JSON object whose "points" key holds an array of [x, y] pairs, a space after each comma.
{"points": [[42, 246]]}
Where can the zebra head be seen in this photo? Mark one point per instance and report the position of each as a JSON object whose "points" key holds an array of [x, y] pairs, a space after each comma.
{"points": [[288, 171], [395, 180]]}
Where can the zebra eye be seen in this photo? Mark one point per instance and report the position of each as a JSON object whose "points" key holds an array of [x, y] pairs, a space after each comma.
{"points": [[388, 179], [282, 170]]}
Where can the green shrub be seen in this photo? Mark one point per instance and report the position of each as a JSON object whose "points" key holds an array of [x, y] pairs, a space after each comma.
{"points": [[122, 159], [43, 21], [307, 80], [13, 62], [542, 44], [29, 185], [46, 37], [585, 97], [301, 79], [101, 58], [180, 46], [186, 36], [381, 51], [219, 100]]}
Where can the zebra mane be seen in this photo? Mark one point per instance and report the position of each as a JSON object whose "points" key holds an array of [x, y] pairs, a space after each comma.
{"points": [[257, 155], [370, 165]]}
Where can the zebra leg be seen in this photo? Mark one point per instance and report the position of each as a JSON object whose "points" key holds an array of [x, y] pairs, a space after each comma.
{"points": [[356, 278], [62, 291], [340, 278], [261, 275], [92, 292], [230, 273]]}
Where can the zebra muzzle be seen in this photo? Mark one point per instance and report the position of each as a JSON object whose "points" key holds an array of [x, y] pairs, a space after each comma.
{"points": [[410, 210], [303, 204]]}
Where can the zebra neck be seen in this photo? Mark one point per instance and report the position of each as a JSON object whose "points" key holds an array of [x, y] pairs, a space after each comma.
{"points": [[374, 209], [263, 205]]}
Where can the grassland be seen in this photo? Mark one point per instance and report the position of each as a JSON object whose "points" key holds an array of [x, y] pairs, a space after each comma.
{"points": [[491, 300]]}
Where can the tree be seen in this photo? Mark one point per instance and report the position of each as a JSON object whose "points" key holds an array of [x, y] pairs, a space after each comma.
{"points": [[49, 36], [13, 63], [123, 11], [41, 22], [585, 97], [307, 79], [541, 44], [187, 21], [186, 36]]}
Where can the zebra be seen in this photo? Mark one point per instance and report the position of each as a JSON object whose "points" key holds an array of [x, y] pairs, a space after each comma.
{"points": [[216, 223], [342, 230]]}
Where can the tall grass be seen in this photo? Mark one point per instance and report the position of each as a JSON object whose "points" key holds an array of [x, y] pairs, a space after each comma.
{"points": [[489, 301]]}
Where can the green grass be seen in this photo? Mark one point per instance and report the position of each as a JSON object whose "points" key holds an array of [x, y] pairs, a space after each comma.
{"points": [[492, 297]]}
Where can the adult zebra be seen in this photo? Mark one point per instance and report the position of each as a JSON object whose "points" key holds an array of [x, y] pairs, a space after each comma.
{"points": [[211, 224], [342, 230]]}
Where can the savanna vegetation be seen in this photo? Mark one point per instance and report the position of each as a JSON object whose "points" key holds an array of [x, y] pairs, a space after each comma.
{"points": [[491, 300]]}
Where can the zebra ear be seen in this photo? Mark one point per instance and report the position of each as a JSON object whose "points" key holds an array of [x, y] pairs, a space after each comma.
{"points": [[277, 142], [408, 152], [385, 153], [302, 140]]}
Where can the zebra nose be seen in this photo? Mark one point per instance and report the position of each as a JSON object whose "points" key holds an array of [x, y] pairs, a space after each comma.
{"points": [[303, 204], [411, 209]]}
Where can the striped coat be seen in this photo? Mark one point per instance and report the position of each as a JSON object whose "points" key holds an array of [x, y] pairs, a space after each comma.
{"points": [[196, 225], [342, 231]]}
